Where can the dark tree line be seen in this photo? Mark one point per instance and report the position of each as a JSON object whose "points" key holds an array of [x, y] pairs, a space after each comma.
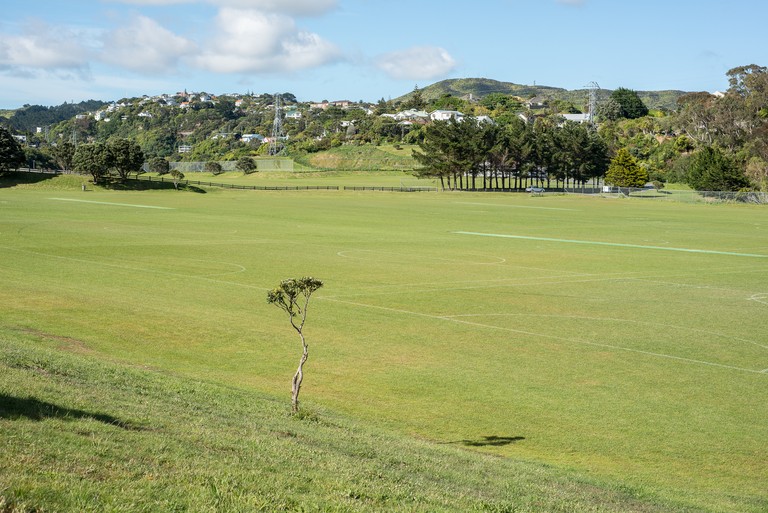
{"points": [[473, 155]]}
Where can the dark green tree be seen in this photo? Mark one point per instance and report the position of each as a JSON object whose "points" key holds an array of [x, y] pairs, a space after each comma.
{"points": [[159, 165], [63, 154], [292, 296], [625, 171], [246, 164], [415, 100], [126, 157], [93, 159], [213, 167], [449, 152], [711, 170], [11, 152], [632, 107]]}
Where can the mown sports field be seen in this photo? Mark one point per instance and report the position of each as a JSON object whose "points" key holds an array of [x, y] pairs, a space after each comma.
{"points": [[622, 340]]}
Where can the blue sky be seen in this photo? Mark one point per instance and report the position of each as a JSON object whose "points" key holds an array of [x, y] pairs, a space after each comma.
{"points": [[52, 51]]}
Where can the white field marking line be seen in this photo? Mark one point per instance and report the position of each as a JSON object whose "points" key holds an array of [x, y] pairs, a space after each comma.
{"points": [[112, 204], [573, 277], [553, 337], [514, 206], [759, 298], [503, 261], [611, 319], [138, 269], [484, 284], [344, 254], [612, 244]]}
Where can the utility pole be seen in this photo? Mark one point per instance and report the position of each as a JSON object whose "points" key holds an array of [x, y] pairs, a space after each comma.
{"points": [[593, 93], [276, 145]]}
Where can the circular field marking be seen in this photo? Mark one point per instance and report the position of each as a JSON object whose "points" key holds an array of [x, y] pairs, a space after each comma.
{"points": [[379, 256], [196, 267]]}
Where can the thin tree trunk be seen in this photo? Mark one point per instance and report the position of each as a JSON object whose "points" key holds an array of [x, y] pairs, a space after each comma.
{"points": [[299, 376]]}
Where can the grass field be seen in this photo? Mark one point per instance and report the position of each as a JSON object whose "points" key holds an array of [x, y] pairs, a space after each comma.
{"points": [[620, 340]]}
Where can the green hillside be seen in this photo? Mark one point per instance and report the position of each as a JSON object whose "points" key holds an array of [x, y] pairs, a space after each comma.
{"points": [[479, 87], [81, 434]]}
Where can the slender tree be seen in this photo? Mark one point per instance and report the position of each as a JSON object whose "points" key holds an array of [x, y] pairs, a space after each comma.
{"points": [[292, 296], [176, 176]]}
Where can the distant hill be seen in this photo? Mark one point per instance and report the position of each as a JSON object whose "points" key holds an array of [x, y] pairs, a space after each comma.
{"points": [[29, 117], [480, 87]]}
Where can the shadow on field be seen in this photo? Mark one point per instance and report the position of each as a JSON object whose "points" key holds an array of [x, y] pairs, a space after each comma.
{"points": [[489, 441], [14, 178], [135, 184], [15, 408]]}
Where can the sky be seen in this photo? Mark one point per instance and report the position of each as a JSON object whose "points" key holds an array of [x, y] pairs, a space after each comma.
{"points": [[56, 51]]}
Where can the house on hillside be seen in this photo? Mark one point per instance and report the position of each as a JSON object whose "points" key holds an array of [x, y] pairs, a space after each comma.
{"points": [[292, 114], [445, 115], [412, 115], [576, 118], [537, 102], [248, 138]]}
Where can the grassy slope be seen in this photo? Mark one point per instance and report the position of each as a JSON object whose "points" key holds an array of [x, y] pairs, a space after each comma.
{"points": [[85, 435], [110, 279]]}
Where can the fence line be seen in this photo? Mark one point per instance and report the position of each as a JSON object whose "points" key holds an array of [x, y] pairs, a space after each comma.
{"points": [[242, 187], [683, 196], [395, 189]]}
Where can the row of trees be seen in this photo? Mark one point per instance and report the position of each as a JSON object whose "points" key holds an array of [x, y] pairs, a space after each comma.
{"points": [[469, 154]]}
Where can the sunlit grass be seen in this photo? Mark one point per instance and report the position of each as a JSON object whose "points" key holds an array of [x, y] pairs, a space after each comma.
{"points": [[628, 364]]}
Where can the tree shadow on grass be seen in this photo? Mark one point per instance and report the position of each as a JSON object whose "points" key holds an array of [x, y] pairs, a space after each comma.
{"points": [[489, 441], [133, 184], [14, 408], [14, 178]]}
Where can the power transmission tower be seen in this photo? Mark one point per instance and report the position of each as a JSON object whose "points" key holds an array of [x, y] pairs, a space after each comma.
{"points": [[593, 98], [276, 145]]}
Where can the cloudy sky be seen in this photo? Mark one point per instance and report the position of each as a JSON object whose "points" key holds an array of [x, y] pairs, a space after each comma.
{"points": [[52, 51]]}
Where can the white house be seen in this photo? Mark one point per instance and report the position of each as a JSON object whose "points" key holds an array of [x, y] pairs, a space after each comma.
{"points": [[577, 118], [247, 138], [292, 114], [445, 115], [412, 115]]}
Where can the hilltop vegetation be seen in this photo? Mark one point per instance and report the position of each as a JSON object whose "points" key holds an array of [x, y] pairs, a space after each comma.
{"points": [[482, 87]]}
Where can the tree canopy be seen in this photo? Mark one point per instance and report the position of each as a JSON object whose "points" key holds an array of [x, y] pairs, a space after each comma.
{"points": [[625, 171], [629, 102], [11, 152]]}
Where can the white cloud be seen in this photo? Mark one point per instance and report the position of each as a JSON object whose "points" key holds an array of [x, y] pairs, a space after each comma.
{"points": [[145, 46], [290, 7], [256, 42], [417, 63], [41, 46]]}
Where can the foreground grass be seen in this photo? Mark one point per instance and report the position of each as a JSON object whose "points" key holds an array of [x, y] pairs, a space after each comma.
{"points": [[84, 435], [624, 363]]}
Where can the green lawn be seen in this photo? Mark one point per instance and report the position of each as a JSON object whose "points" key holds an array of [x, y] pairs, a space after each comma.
{"points": [[621, 340]]}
